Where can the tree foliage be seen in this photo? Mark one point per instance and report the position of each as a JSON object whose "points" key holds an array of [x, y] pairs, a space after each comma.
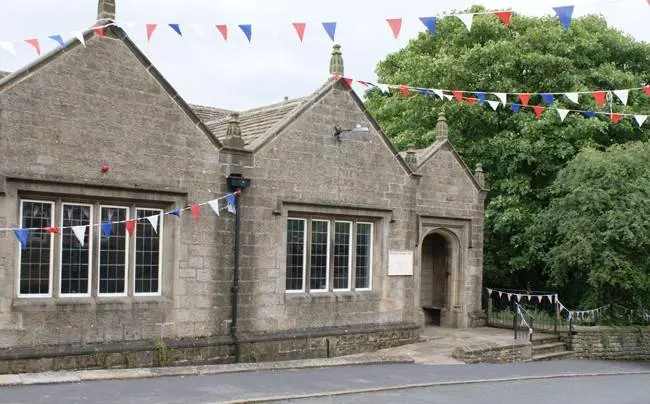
{"points": [[521, 154]]}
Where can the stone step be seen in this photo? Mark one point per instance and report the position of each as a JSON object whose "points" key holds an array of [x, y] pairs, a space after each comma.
{"points": [[543, 339], [549, 348], [551, 356]]}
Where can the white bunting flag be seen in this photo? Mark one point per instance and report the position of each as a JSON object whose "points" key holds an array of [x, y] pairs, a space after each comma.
{"points": [[640, 119], [489, 291], [439, 93], [539, 298], [383, 88], [508, 295], [493, 104], [573, 97], [80, 233], [154, 222], [68, 213], [622, 95], [80, 36], [563, 113], [449, 97], [518, 296], [503, 97], [8, 46], [198, 29], [467, 19], [214, 204], [500, 294]]}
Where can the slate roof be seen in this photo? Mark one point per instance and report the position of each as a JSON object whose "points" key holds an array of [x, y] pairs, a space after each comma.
{"points": [[4, 74], [205, 113], [254, 122]]}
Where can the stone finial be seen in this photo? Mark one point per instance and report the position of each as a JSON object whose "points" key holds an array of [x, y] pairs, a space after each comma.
{"points": [[106, 10], [478, 174], [336, 61], [233, 137], [411, 158], [441, 127]]}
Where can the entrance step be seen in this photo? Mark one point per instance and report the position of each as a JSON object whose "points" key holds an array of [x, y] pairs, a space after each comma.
{"points": [[549, 348], [552, 355], [543, 339]]}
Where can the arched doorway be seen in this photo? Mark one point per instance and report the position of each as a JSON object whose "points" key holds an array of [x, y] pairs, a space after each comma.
{"points": [[436, 274]]}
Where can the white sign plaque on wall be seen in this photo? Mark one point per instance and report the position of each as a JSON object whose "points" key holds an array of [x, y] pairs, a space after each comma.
{"points": [[400, 263]]}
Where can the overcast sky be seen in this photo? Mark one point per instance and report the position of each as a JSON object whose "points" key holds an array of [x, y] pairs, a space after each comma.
{"points": [[238, 75]]}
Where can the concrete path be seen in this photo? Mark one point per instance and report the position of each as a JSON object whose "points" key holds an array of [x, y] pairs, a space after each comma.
{"points": [[438, 343]]}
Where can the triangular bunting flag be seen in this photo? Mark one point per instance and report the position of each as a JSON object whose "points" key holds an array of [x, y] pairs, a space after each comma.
{"points": [[615, 117], [404, 90], [547, 98], [395, 25], [493, 104], [646, 90], [489, 291], [154, 222], [439, 93], [466, 19], [330, 28], [176, 213], [8, 46], [423, 91], [471, 100], [196, 212], [515, 108], [640, 119], [214, 205], [58, 39], [622, 95], [80, 36], [247, 29], [500, 293], [300, 29], [348, 82], [36, 44], [22, 235], [518, 297], [565, 14], [563, 113], [503, 97], [573, 97], [129, 225], [538, 110], [508, 295], [176, 28], [539, 298], [150, 29], [524, 97], [449, 97], [458, 95], [480, 95], [106, 228], [80, 233], [230, 200], [99, 32], [384, 88], [198, 29], [504, 17], [588, 114], [52, 230], [223, 29], [430, 23], [599, 96]]}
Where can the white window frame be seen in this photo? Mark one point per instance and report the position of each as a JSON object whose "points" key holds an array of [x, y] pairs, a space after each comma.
{"points": [[304, 257], [327, 265], [370, 254], [161, 220], [90, 251], [350, 244], [99, 252], [20, 264]]}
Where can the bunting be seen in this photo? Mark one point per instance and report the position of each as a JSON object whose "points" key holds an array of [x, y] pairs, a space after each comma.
{"points": [[330, 29], [565, 14], [176, 28], [300, 29], [247, 29], [80, 233], [223, 30], [430, 23], [395, 25]]}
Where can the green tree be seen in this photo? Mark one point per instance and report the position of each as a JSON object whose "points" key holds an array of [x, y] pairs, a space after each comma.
{"points": [[599, 221], [521, 153]]}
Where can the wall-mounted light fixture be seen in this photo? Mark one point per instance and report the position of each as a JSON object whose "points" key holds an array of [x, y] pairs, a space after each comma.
{"points": [[338, 131]]}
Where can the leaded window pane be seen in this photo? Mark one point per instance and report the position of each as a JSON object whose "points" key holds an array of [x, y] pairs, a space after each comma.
{"points": [[75, 255], [35, 258], [295, 254]]}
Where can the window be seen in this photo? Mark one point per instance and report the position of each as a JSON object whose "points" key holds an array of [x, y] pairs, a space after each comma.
{"points": [[328, 255], [36, 258], [122, 265]]}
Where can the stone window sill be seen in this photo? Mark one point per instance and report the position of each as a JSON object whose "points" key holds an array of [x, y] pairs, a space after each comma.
{"points": [[88, 303], [333, 297]]}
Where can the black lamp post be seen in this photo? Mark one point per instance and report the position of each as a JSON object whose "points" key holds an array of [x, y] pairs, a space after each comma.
{"points": [[236, 184]]}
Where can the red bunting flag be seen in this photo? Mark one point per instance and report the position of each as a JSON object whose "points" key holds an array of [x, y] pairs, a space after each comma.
{"points": [[524, 98], [196, 212], [646, 89], [599, 96], [459, 95], [471, 101], [615, 117], [395, 25], [52, 230], [404, 90], [34, 42], [99, 31], [348, 82], [129, 225], [300, 29], [150, 29], [224, 31], [504, 16], [538, 110]]}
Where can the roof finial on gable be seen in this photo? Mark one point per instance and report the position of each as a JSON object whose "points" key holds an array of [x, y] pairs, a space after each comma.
{"points": [[441, 127], [106, 11], [479, 175], [336, 61], [411, 159], [233, 137]]}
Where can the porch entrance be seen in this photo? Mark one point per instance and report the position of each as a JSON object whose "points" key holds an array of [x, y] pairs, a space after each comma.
{"points": [[435, 280]]}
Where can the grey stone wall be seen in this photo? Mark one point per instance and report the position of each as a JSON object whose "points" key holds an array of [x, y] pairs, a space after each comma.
{"points": [[618, 343], [494, 353]]}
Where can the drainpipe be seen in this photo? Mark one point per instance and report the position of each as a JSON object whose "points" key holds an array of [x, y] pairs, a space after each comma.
{"points": [[236, 184]]}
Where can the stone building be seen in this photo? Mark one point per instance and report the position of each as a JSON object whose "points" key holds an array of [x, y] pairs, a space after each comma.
{"points": [[344, 244]]}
